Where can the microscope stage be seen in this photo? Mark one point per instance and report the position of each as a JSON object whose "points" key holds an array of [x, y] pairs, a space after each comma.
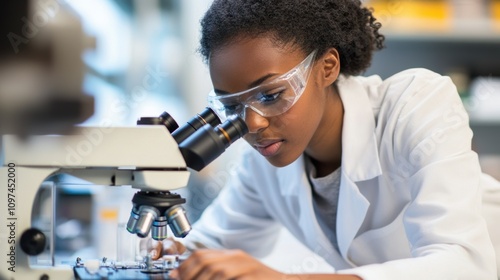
{"points": [[109, 273], [149, 269]]}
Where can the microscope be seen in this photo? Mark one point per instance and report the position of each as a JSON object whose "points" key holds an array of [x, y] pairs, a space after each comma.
{"points": [[152, 157]]}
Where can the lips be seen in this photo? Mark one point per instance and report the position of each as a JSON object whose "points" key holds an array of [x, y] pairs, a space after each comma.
{"points": [[269, 147]]}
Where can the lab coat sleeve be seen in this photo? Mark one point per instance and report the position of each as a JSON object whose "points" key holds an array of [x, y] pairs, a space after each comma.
{"points": [[447, 235], [237, 218]]}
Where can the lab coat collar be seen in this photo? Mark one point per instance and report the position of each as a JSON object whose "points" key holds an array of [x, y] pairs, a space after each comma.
{"points": [[360, 162], [360, 159]]}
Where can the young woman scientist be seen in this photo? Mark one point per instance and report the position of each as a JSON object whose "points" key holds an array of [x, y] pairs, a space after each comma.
{"points": [[376, 176]]}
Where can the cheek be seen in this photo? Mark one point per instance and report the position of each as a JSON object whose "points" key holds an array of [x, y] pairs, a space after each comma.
{"points": [[297, 127], [300, 131], [296, 133], [303, 118]]}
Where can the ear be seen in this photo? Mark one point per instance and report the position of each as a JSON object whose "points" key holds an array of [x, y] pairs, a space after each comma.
{"points": [[330, 67]]}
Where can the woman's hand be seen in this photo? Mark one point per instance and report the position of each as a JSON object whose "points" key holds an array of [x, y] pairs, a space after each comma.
{"points": [[223, 264], [158, 249]]}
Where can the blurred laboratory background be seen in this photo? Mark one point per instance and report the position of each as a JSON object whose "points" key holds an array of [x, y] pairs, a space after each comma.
{"points": [[146, 62]]}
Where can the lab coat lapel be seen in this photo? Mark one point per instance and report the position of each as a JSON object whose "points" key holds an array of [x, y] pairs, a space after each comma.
{"points": [[360, 160], [352, 208], [293, 182]]}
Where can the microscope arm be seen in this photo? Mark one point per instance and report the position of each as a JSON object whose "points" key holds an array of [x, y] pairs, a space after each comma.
{"points": [[127, 148], [147, 180]]}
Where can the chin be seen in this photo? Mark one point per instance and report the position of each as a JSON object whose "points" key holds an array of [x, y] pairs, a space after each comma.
{"points": [[278, 161]]}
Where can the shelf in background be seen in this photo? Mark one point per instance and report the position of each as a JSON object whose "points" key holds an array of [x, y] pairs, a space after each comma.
{"points": [[450, 20], [478, 56], [465, 35]]}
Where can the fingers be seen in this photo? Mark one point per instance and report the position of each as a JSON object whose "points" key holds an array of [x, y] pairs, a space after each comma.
{"points": [[172, 247], [149, 246], [195, 264], [180, 247], [169, 247], [157, 249], [174, 274], [206, 264]]}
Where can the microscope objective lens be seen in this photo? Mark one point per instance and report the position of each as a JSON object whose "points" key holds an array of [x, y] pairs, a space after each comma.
{"points": [[146, 217], [159, 229]]}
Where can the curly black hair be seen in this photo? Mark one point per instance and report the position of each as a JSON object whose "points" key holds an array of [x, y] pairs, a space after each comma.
{"points": [[307, 24]]}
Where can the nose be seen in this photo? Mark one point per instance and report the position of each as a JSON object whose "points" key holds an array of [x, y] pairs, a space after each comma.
{"points": [[254, 121]]}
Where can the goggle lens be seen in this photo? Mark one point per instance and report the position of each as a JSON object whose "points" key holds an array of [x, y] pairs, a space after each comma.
{"points": [[268, 100]]}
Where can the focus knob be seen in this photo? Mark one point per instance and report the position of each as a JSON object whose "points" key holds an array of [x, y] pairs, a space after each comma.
{"points": [[33, 242]]}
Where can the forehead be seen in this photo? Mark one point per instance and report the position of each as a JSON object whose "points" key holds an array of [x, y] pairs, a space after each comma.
{"points": [[235, 66]]}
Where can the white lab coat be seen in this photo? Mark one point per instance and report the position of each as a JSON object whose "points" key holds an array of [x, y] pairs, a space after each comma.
{"points": [[409, 204]]}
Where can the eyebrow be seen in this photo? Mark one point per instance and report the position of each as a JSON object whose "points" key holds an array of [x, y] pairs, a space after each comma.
{"points": [[251, 85]]}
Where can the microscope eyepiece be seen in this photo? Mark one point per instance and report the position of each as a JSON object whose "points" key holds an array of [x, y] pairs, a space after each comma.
{"points": [[232, 129], [164, 119], [203, 138], [208, 116], [208, 143]]}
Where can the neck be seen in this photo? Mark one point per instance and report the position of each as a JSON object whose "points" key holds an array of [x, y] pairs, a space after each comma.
{"points": [[325, 149]]}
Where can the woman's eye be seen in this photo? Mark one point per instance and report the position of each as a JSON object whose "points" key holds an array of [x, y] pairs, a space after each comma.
{"points": [[270, 96]]}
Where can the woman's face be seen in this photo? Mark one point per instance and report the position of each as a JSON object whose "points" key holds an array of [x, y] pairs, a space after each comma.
{"points": [[244, 64]]}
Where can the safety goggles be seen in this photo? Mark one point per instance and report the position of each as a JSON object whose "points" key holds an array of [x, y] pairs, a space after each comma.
{"points": [[269, 99]]}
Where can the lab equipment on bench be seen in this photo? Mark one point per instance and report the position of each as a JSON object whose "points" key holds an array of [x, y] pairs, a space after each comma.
{"points": [[153, 157]]}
